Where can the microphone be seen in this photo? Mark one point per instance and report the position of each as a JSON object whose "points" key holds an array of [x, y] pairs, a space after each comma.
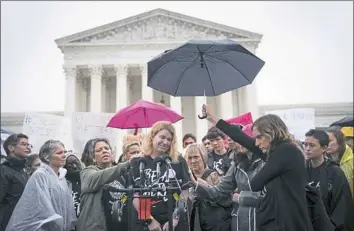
{"points": [[167, 159], [142, 163], [158, 161]]}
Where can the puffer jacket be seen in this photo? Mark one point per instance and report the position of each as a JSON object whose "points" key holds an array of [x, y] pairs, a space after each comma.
{"points": [[346, 164], [244, 213]]}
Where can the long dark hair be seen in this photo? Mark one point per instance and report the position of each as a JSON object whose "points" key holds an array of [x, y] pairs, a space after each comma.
{"points": [[274, 128], [337, 133], [88, 154]]}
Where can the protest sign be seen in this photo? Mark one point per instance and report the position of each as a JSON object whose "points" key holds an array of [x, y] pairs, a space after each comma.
{"points": [[40, 127], [298, 120]]}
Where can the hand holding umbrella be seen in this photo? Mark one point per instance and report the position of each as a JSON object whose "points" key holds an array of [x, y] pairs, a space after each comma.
{"points": [[204, 116], [207, 114]]}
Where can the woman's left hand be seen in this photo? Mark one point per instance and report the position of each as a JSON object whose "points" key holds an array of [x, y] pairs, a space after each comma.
{"points": [[175, 223]]}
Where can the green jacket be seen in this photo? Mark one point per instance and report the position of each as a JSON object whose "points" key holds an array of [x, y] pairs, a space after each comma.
{"points": [[93, 178]]}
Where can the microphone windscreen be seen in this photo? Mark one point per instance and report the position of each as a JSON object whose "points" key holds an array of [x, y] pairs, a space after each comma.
{"points": [[142, 160], [167, 159], [158, 159]]}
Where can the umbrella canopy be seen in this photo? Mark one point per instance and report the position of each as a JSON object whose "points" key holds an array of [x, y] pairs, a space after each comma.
{"points": [[345, 122], [143, 114], [4, 135], [202, 67]]}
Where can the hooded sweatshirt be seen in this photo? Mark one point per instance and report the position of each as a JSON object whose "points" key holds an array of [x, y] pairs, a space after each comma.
{"points": [[336, 194], [73, 176]]}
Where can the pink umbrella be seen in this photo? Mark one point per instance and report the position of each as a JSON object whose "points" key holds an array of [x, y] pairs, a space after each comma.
{"points": [[142, 114]]}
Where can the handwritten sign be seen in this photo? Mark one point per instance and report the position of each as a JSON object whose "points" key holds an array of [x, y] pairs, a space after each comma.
{"points": [[298, 120], [41, 127], [88, 125]]}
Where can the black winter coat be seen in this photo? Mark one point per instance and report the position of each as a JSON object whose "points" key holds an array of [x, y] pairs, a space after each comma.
{"points": [[13, 179], [282, 179]]}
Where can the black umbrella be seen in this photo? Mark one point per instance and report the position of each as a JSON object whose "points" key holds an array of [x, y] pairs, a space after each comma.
{"points": [[203, 68], [345, 122]]}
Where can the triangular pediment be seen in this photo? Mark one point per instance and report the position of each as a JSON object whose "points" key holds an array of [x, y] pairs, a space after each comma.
{"points": [[158, 25]]}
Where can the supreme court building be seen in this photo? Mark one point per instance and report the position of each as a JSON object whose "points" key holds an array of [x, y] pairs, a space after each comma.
{"points": [[106, 67]]}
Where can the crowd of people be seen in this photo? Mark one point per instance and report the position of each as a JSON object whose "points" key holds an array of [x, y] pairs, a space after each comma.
{"points": [[237, 178]]}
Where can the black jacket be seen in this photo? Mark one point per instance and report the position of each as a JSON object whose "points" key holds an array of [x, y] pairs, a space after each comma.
{"points": [[13, 179], [336, 195], [214, 215], [282, 180]]}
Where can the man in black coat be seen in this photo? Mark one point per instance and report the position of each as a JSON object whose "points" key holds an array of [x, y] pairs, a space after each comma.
{"points": [[324, 174], [13, 177]]}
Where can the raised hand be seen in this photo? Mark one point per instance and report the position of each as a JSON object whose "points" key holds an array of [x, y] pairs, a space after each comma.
{"points": [[209, 115]]}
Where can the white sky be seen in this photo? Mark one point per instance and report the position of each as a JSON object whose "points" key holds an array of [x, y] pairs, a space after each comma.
{"points": [[307, 46]]}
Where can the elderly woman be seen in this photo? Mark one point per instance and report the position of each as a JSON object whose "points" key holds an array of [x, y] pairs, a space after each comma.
{"points": [[206, 215], [46, 203], [97, 157], [161, 141], [282, 179]]}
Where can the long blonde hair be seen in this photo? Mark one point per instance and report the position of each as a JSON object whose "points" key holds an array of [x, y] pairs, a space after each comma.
{"points": [[156, 128]]}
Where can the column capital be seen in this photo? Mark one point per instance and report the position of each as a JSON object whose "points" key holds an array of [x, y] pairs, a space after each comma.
{"points": [[121, 69], [143, 68], [70, 71], [95, 71]]}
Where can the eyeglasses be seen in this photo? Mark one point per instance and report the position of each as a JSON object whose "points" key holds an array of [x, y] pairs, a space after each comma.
{"points": [[23, 144]]}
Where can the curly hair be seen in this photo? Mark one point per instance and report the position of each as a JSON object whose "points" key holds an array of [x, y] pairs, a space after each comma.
{"points": [[156, 128], [88, 154]]}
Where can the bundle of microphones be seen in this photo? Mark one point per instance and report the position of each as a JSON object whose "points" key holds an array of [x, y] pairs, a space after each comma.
{"points": [[162, 164], [158, 162]]}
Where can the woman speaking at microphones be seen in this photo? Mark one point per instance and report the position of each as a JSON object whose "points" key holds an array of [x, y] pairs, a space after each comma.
{"points": [[161, 172]]}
